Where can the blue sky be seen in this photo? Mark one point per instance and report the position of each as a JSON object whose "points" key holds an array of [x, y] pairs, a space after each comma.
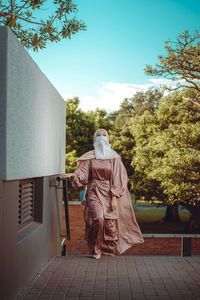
{"points": [[105, 64]]}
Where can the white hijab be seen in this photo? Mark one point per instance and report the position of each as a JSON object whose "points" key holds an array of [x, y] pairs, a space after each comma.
{"points": [[102, 148]]}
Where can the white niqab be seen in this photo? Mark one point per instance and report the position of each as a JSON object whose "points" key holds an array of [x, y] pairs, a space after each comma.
{"points": [[102, 148]]}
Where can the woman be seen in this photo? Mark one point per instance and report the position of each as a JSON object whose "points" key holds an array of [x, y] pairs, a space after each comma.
{"points": [[111, 226]]}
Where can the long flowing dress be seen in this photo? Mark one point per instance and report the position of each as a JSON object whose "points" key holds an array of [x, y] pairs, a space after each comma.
{"points": [[107, 231]]}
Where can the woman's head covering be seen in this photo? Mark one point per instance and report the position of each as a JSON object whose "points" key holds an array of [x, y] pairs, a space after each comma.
{"points": [[102, 148], [100, 129]]}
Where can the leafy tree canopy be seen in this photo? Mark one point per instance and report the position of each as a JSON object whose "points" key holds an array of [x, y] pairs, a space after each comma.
{"points": [[79, 128], [122, 137], [101, 118], [144, 186], [137, 105], [182, 64], [29, 21], [168, 149]]}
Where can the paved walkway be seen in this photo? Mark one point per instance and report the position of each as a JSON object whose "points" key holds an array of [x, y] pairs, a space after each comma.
{"points": [[121, 277]]}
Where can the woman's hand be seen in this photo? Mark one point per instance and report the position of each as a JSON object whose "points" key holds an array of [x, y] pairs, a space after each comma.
{"points": [[67, 175], [113, 203]]}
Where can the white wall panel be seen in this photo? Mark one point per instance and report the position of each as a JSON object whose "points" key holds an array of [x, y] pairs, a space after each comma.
{"points": [[32, 116]]}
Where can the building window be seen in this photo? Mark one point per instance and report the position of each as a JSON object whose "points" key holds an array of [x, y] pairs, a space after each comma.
{"points": [[30, 206], [26, 202]]}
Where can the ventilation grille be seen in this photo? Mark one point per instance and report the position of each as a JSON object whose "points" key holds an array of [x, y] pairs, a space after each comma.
{"points": [[26, 200]]}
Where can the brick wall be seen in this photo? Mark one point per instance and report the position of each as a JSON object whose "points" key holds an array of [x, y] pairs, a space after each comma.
{"points": [[196, 246], [158, 244], [77, 244]]}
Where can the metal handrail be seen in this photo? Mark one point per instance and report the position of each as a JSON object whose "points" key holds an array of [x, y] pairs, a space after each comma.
{"points": [[66, 204]]}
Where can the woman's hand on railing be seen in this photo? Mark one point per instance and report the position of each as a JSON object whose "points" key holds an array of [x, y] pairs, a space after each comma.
{"points": [[67, 175], [64, 176]]}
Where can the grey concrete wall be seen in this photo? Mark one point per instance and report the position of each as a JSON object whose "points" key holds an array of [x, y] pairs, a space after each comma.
{"points": [[3, 84], [32, 144], [22, 257], [32, 116]]}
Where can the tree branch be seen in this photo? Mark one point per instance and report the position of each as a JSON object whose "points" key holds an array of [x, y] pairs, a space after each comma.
{"points": [[23, 6], [37, 23], [193, 101], [45, 29]]}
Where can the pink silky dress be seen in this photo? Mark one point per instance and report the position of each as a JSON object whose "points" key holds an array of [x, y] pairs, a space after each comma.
{"points": [[107, 231]]}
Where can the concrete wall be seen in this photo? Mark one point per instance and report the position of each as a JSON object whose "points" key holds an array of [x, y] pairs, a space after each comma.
{"points": [[23, 253], [32, 116], [32, 145]]}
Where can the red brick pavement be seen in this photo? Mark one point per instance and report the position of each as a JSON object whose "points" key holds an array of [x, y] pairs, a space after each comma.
{"points": [[121, 277]]}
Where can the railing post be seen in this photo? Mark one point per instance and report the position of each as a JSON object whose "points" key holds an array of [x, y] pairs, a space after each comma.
{"points": [[66, 202], [186, 246]]}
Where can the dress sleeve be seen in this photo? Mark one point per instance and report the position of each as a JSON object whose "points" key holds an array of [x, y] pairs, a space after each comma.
{"points": [[119, 178], [81, 174]]}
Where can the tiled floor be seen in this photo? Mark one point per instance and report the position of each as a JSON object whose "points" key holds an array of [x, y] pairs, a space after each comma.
{"points": [[119, 277]]}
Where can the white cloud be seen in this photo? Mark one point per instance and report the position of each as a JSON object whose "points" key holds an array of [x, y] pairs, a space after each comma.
{"points": [[111, 94], [67, 96], [162, 81]]}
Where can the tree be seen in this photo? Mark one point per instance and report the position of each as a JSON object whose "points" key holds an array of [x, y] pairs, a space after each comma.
{"points": [[101, 118], [182, 64], [80, 128], [179, 168], [24, 19], [144, 186], [122, 137], [168, 150], [123, 142], [137, 105]]}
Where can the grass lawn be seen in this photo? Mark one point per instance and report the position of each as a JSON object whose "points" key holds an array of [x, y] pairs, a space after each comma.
{"points": [[150, 221], [145, 203]]}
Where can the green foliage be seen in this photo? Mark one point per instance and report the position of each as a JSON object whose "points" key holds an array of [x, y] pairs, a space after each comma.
{"points": [[168, 149], [123, 142], [137, 105], [122, 137], [159, 141], [71, 160], [79, 128], [101, 119], [71, 163], [143, 185], [24, 19], [181, 63]]}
